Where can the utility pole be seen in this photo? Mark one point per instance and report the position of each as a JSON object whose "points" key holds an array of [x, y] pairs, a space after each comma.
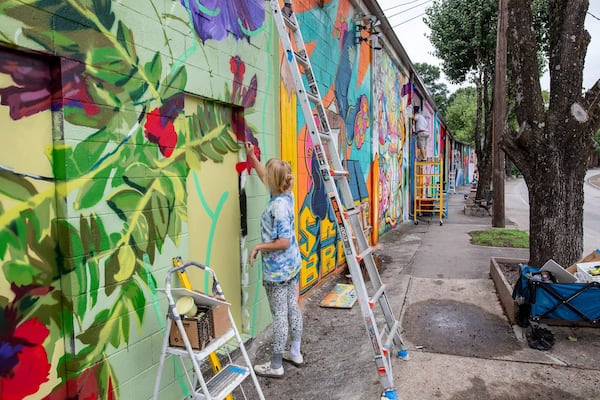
{"points": [[499, 117]]}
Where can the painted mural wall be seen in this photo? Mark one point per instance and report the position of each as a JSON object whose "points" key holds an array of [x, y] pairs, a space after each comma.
{"points": [[391, 146], [343, 73], [121, 125]]}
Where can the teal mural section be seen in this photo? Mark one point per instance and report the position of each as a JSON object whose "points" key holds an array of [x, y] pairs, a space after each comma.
{"points": [[342, 69]]}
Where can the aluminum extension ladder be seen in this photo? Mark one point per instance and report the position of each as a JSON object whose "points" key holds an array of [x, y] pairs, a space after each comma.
{"points": [[347, 215], [222, 384]]}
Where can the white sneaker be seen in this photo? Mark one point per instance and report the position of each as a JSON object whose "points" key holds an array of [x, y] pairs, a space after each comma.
{"points": [[266, 370], [297, 361]]}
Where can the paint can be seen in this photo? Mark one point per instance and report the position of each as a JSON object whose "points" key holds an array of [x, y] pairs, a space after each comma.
{"points": [[186, 307]]}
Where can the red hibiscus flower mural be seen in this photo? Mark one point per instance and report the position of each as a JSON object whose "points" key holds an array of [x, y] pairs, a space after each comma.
{"points": [[83, 387], [159, 128], [23, 360]]}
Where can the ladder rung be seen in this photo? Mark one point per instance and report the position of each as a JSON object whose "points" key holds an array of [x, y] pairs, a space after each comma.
{"points": [[214, 345], [325, 136], [225, 381], [312, 97], [365, 253], [376, 296], [289, 22], [337, 174], [301, 58], [351, 212]]}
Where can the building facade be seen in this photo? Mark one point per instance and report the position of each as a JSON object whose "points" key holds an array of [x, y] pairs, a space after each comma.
{"points": [[122, 126]]}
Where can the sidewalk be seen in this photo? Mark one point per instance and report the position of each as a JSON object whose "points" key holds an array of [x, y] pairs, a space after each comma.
{"points": [[461, 343]]}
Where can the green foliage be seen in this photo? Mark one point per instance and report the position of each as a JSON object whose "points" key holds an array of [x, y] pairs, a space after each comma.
{"points": [[461, 114], [463, 33], [541, 17], [596, 139], [500, 237], [430, 74]]}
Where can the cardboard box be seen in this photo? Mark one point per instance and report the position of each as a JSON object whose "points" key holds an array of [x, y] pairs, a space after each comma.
{"points": [[220, 320], [593, 256], [198, 330]]}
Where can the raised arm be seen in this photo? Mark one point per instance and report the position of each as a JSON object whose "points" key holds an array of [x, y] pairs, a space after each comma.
{"points": [[260, 169]]}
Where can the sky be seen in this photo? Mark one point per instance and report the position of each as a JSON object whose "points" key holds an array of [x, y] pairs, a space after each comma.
{"points": [[406, 16]]}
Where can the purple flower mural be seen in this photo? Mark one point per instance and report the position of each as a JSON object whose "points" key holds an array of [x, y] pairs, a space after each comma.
{"points": [[31, 92], [215, 19]]}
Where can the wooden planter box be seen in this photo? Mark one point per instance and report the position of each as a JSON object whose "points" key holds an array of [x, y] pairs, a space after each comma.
{"points": [[503, 288]]}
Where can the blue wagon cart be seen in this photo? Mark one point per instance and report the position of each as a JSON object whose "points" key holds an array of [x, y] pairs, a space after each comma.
{"points": [[546, 300]]}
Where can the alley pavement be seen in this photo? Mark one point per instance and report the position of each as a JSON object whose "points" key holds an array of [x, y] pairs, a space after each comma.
{"points": [[460, 341]]}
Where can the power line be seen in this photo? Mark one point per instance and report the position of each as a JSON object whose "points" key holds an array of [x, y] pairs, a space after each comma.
{"points": [[410, 8], [400, 5], [593, 16], [408, 20]]}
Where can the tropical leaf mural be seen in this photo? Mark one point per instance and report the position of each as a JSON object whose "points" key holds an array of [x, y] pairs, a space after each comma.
{"points": [[75, 245]]}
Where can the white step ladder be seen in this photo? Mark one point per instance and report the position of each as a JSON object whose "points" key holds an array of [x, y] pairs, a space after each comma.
{"points": [[452, 182], [347, 215], [231, 376]]}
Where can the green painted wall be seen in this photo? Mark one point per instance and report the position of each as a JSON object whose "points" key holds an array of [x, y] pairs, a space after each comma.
{"points": [[122, 124]]}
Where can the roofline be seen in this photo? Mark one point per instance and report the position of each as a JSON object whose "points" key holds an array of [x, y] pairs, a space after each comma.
{"points": [[392, 40]]}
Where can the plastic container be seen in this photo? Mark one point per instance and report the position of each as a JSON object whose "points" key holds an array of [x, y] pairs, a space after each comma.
{"points": [[186, 306]]}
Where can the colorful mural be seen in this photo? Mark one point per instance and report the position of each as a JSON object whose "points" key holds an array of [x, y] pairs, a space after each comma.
{"points": [[343, 74], [95, 176], [121, 127], [390, 129]]}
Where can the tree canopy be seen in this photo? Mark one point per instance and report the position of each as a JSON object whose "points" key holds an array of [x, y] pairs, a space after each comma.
{"points": [[463, 33], [431, 74], [461, 114]]}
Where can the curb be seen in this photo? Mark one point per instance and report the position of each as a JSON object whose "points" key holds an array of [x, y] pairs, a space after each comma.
{"points": [[594, 181]]}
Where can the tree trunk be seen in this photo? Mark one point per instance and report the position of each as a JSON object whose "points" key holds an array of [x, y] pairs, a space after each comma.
{"points": [[484, 155], [556, 213], [552, 145]]}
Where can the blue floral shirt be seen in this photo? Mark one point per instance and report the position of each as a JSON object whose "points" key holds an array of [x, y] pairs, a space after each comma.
{"points": [[278, 221]]}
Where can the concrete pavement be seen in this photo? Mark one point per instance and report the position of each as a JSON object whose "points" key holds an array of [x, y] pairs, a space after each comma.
{"points": [[460, 341], [463, 346]]}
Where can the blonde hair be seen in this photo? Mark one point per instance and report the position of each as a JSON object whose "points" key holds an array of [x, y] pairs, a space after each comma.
{"points": [[279, 175]]}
